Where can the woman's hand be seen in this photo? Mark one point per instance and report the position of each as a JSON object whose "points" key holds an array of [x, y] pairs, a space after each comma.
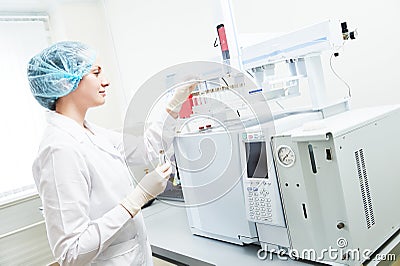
{"points": [[180, 96]]}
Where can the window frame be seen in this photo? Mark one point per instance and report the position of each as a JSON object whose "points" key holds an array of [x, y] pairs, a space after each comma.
{"points": [[24, 192]]}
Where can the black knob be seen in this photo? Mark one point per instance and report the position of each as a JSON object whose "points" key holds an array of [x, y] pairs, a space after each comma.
{"points": [[340, 225], [344, 27]]}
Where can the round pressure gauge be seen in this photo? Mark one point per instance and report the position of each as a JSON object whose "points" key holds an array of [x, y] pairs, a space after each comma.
{"points": [[286, 156]]}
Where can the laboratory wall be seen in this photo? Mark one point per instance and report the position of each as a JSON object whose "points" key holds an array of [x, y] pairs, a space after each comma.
{"points": [[85, 21], [152, 35]]}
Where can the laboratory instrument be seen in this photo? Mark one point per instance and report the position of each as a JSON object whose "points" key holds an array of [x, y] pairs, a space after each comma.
{"points": [[290, 178], [338, 192], [243, 204]]}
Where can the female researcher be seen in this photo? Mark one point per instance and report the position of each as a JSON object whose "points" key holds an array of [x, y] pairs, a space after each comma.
{"points": [[91, 209]]}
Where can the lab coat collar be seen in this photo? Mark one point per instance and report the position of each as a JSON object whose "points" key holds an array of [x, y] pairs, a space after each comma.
{"points": [[79, 133], [100, 140], [67, 124]]}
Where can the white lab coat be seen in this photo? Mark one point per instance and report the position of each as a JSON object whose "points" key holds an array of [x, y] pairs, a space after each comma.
{"points": [[81, 179]]}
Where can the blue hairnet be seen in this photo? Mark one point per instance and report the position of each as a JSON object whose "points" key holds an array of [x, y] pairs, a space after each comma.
{"points": [[57, 71]]}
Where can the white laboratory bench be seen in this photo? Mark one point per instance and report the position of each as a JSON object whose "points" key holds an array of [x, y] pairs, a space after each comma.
{"points": [[171, 240]]}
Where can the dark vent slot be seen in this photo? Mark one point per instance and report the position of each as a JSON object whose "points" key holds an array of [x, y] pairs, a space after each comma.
{"points": [[364, 186], [312, 158], [304, 210], [328, 154], [368, 194]]}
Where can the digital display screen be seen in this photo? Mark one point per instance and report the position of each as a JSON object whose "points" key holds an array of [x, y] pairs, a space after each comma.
{"points": [[256, 160]]}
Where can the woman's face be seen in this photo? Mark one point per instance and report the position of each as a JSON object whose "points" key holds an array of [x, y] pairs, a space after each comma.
{"points": [[91, 90]]}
